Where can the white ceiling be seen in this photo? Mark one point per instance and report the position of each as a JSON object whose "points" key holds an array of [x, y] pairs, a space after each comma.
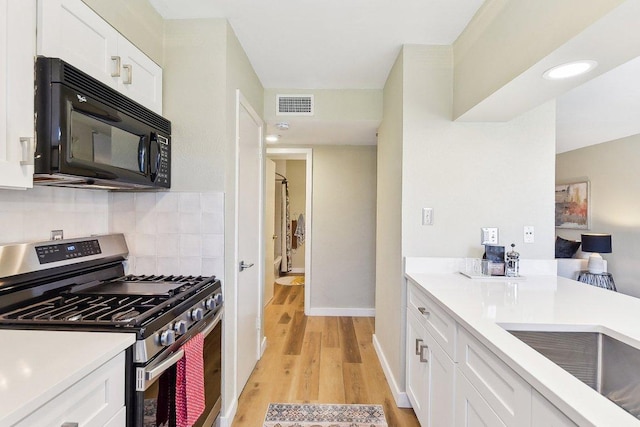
{"points": [[337, 44]]}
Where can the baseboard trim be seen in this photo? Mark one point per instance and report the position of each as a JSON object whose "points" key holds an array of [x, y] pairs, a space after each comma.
{"points": [[401, 398], [350, 312], [263, 346], [227, 419]]}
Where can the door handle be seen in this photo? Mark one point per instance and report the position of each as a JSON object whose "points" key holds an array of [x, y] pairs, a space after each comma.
{"points": [[244, 266], [418, 342], [28, 151], [422, 358]]}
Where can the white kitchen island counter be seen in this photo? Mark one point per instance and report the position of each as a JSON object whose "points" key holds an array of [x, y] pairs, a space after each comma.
{"points": [[36, 366], [485, 308]]}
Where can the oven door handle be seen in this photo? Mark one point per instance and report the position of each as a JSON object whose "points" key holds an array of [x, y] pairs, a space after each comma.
{"points": [[210, 327], [156, 371]]}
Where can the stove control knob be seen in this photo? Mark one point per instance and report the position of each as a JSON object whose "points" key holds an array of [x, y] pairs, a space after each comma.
{"points": [[218, 299], [167, 337], [210, 303], [196, 314], [180, 327]]}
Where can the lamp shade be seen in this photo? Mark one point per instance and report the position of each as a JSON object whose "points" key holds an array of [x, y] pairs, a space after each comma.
{"points": [[600, 243]]}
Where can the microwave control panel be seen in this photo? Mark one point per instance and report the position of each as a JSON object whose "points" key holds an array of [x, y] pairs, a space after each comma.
{"points": [[165, 162]]}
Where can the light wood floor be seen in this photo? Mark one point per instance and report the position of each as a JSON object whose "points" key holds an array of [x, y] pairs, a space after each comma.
{"points": [[315, 360]]}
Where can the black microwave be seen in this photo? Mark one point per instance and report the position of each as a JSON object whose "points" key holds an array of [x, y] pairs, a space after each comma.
{"points": [[91, 136]]}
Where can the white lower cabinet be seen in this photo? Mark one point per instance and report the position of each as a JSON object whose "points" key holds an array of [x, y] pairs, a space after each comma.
{"points": [[430, 374], [97, 400], [471, 409], [543, 413], [504, 390]]}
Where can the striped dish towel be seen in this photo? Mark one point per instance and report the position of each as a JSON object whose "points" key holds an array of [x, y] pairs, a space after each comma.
{"points": [[190, 397]]}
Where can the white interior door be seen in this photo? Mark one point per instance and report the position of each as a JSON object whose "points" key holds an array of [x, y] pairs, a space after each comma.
{"points": [[269, 229], [249, 202]]}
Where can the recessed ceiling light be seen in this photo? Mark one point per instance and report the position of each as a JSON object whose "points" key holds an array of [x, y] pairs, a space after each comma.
{"points": [[570, 69], [272, 138]]}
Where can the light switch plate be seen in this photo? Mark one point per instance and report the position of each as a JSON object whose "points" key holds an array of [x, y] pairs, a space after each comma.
{"points": [[427, 216], [489, 236]]}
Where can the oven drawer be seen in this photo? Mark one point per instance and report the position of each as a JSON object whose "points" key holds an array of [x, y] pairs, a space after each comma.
{"points": [[93, 401]]}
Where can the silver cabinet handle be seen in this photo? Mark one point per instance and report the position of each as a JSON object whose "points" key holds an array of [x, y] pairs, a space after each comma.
{"points": [[70, 425], [424, 311], [422, 358], [116, 73], [244, 266], [28, 151], [418, 342], [129, 79]]}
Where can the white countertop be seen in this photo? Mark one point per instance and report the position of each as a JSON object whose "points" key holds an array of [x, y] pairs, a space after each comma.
{"points": [[35, 366], [545, 302]]}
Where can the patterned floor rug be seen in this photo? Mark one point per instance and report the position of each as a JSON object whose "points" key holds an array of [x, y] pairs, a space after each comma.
{"points": [[310, 415]]}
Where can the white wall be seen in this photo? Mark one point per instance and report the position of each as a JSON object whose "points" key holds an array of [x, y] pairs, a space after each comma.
{"points": [[612, 169], [471, 174], [390, 294], [296, 177], [344, 215]]}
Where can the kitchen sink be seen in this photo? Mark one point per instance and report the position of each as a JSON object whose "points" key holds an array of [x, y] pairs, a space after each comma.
{"points": [[607, 365]]}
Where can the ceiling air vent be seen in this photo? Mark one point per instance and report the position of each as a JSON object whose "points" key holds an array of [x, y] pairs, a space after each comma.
{"points": [[294, 105]]}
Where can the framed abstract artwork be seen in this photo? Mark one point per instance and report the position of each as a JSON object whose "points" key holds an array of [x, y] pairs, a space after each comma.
{"points": [[573, 205]]}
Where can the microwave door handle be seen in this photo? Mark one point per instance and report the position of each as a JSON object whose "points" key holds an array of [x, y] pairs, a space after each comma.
{"points": [[142, 155]]}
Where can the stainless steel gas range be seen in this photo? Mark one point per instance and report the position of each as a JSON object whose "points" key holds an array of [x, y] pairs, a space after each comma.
{"points": [[79, 284]]}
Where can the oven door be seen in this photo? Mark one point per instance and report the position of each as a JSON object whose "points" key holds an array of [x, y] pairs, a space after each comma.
{"points": [[154, 401]]}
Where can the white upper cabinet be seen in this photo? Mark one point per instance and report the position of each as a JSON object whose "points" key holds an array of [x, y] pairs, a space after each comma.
{"points": [[17, 50], [72, 31]]}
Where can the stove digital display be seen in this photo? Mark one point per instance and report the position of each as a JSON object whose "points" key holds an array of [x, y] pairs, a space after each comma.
{"points": [[66, 251]]}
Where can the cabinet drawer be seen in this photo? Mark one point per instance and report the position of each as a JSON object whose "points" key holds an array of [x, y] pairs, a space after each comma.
{"points": [[543, 413], [438, 323], [471, 409], [92, 401], [504, 390]]}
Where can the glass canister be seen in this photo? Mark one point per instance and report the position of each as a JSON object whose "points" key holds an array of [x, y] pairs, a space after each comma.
{"points": [[512, 268]]}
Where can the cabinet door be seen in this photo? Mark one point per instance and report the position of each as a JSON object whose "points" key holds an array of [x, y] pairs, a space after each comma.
{"points": [[141, 78], [17, 49], [417, 369], [70, 30], [442, 373], [430, 377], [543, 413], [471, 409]]}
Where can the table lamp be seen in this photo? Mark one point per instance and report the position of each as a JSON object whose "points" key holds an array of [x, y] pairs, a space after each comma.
{"points": [[596, 244]]}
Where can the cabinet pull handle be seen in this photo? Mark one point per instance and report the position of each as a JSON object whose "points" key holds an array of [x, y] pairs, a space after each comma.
{"points": [[116, 73], [422, 358], [28, 151], [70, 425], [418, 342], [424, 311], [129, 79]]}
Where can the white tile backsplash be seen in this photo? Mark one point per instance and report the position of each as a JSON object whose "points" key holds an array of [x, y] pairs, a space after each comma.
{"points": [[167, 232], [171, 233], [30, 215]]}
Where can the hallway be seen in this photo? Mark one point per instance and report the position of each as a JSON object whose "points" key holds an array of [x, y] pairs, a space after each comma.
{"points": [[315, 360]]}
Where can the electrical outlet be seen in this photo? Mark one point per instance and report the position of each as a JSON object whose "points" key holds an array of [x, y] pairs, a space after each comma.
{"points": [[57, 235], [529, 236], [427, 216], [489, 236]]}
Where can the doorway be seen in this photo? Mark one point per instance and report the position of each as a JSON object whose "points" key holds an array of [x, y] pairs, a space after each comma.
{"points": [[289, 255]]}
